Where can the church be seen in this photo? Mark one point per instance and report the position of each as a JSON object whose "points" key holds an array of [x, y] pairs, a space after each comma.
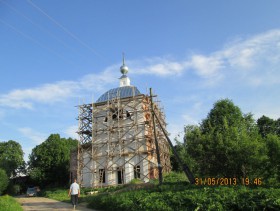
{"points": [[117, 138]]}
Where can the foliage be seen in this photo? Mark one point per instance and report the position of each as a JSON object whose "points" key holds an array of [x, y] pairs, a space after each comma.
{"points": [[60, 194], [187, 197], [11, 157], [267, 126], [185, 157], [13, 189], [8, 203], [223, 114], [270, 131], [16, 189], [174, 177], [273, 166], [49, 161], [175, 195], [4, 181], [226, 144], [136, 181]]}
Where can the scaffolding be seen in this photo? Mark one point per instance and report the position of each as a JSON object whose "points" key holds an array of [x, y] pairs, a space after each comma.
{"points": [[117, 141]]}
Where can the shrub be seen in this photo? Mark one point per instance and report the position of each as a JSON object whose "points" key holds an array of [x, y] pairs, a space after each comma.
{"points": [[4, 181], [13, 189], [57, 194], [174, 177], [8, 203], [190, 197], [136, 181]]}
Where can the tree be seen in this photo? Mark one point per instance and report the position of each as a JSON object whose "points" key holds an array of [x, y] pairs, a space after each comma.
{"points": [[184, 156], [273, 146], [11, 157], [223, 114], [226, 144], [277, 126], [49, 161], [267, 126], [4, 181]]}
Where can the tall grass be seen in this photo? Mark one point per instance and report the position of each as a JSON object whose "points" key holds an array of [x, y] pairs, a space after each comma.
{"points": [[8, 203]]}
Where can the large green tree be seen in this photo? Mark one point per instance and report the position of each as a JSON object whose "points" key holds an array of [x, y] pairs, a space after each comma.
{"points": [[11, 157], [49, 161], [226, 144]]}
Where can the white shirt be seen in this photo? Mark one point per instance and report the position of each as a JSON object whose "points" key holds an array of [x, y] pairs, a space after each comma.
{"points": [[74, 188]]}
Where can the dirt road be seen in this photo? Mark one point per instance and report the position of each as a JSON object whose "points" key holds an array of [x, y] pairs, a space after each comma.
{"points": [[42, 204]]}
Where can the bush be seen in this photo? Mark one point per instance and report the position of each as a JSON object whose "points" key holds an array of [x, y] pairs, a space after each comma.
{"points": [[4, 181], [8, 203], [57, 194], [174, 177], [136, 181], [167, 197], [13, 189]]}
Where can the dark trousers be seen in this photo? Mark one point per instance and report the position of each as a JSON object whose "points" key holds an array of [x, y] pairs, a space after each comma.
{"points": [[74, 199]]}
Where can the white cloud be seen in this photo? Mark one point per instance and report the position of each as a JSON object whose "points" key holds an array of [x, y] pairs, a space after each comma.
{"points": [[72, 132], [253, 61], [255, 58], [34, 136], [206, 66], [56, 92], [47, 93], [163, 67], [99, 81]]}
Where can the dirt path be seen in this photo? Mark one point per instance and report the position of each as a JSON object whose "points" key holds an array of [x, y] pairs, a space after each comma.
{"points": [[41, 203]]}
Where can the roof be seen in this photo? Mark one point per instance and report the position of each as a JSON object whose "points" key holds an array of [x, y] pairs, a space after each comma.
{"points": [[122, 92]]}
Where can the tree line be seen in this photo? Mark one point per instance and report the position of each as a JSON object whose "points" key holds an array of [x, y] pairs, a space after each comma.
{"points": [[231, 144], [48, 163]]}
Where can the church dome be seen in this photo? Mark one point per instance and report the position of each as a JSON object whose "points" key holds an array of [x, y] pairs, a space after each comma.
{"points": [[125, 89], [120, 92]]}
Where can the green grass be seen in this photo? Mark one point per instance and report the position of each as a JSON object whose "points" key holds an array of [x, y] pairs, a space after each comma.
{"points": [[60, 194], [8, 203], [57, 194]]}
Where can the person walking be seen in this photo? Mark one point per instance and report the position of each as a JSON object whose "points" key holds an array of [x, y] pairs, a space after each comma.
{"points": [[75, 193]]}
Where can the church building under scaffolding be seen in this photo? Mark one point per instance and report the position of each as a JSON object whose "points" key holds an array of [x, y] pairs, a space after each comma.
{"points": [[117, 138]]}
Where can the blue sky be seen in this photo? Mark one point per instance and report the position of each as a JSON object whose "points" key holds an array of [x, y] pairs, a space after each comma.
{"points": [[57, 54]]}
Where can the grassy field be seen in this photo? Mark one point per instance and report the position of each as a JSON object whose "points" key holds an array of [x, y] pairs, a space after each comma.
{"points": [[8, 203]]}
